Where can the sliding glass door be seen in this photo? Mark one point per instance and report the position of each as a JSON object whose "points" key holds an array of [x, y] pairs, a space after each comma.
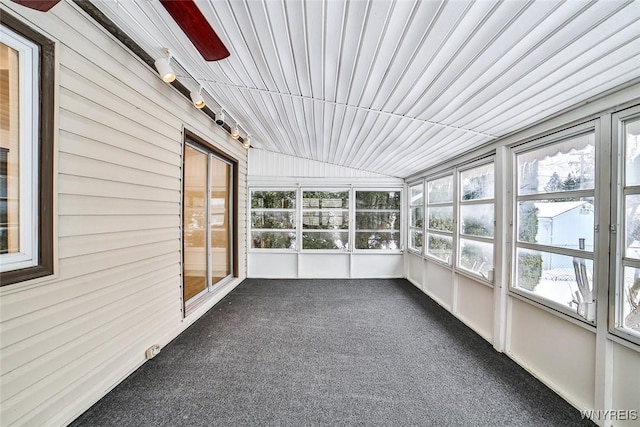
{"points": [[207, 222]]}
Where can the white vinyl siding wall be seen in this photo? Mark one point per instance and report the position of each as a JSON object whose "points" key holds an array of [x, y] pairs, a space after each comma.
{"points": [[69, 338]]}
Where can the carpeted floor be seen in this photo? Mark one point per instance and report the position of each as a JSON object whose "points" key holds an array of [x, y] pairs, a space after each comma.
{"points": [[330, 352]]}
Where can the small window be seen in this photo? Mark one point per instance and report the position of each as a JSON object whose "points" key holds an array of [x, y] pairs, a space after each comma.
{"points": [[476, 221], [377, 220], [440, 219], [273, 219], [26, 153], [416, 217], [555, 200], [325, 220]]}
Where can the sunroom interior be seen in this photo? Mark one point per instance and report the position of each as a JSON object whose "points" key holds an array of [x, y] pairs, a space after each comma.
{"points": [[486, 152]]}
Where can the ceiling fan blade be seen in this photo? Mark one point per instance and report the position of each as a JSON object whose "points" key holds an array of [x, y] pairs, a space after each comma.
{"points": [[196, 28], [41, 5]]}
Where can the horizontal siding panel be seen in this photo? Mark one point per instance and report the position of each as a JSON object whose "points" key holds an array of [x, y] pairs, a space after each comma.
{"points": [[23, 302], [71, 204], [82, 225], [137, 91], [79, 185], [90, 244], [70, 334], [74, 123], [37, 322], [104, 365], [110, 100], [72, 164], [77, 103], [82, 146], [267, 163], [123, 328], [86, 264]]}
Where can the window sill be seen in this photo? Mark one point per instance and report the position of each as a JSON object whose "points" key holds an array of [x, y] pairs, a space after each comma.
{"points": [[556, 311]]}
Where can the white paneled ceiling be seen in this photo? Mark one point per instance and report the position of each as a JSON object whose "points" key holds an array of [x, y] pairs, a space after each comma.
{"points": [[395, 87]]}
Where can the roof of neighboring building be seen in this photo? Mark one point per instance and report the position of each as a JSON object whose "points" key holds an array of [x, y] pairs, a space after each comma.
{"points": [[550, 210]]}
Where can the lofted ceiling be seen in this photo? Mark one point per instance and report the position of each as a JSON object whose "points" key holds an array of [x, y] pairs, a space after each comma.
{"points": [[395, 87]]}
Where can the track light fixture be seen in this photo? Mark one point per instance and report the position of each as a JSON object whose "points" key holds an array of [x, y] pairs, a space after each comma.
{"points": [[163, 65], [220, 118], [196, 98], [235, 132], [247, 142]]}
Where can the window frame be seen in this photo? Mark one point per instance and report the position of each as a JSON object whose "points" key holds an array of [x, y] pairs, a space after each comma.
{"points": [[295, 211], [411, 207], [618, 224], [428, 231], [43, 142], [458, 204], [302, 210], [353, 230], [548, 140]]}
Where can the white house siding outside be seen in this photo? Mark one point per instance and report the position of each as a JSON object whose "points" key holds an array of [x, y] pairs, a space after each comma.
{"points": [[68, 339]]}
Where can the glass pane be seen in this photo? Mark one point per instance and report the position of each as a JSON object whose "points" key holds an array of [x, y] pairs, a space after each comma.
{"points": [[559, 278], [417, 195], [220, 212], [441, 218], [271, 219], [325, 220], [440, 190], [440, 247], [377, 240], [564, 166], [195, 222], [476, 257], [631, 300], [273, 240], [377, 220], [417, 217], [477, 183], [273, 199], [632, 227], [328, 240], [378, 200], [325, 200], [415, 240], [632, 155], [9, 152], [566, 224], [477, 220]]}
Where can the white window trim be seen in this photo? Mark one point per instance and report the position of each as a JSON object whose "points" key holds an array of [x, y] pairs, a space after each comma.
{"points": [[448, 173], [251, 229], [400, 216], [29, 115], [617, 261], [525, 295], [458, 202], [411, 228]]}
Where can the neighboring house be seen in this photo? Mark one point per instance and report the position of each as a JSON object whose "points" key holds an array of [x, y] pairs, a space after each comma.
{"points": [[558, 225]]}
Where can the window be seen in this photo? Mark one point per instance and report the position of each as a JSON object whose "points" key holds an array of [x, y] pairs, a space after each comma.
{"points": [[273, 219], [325, 220], [377, 220], [209, 217], [627, 300], [440, 218], [26, 153], [416, 217], [554, 225], [476, 219]]}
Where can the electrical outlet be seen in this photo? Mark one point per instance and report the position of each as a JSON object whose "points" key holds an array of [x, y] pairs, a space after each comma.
{"points": [[152, 351]]}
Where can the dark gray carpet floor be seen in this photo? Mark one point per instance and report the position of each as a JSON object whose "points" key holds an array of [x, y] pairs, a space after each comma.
{"points": [[330, 352]]}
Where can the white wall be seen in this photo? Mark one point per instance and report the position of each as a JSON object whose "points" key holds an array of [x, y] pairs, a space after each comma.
{"points": [[268, 170], [68, 339]]}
